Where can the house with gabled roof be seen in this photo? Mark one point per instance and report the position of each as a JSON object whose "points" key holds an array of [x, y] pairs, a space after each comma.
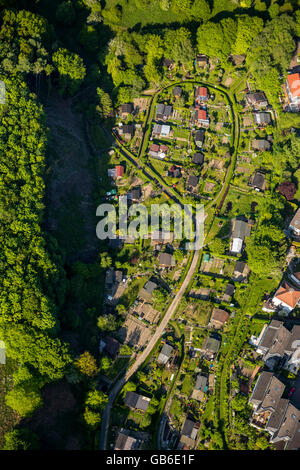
{"points": [[160, 130], [294, 226], [116, 172], [210, 347], [292, 88], [111, 346], [163, 112], [278, 345], [114, 285], [125, 442], [241, 229], [137, 402], [286, 297], [201, 388], [241, 271], [274, 414], [192, 183], [158, 151], [126, 131], [229, 291], [201, 118], [261, 145], [258, 181], [126, 109], [201, 94], [174, 171], [166, 260], [199, 137], [198, 158], [165, 354], [257, 99], [202, 60], [177, 91], [189, 434], [147, 290], [135, 194], [262, 119], [218, 318]]}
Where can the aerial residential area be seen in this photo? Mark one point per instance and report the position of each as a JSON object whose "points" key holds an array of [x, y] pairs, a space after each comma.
{"points": [[144, 341]]}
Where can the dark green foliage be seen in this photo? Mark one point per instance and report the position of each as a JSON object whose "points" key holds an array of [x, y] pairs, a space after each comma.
{"points": [[65, 13], [270, 54], [21, 439], [22, 45], [71, 70]]}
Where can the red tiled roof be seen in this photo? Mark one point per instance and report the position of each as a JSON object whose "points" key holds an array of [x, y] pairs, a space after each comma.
{"points": [[154, 148], [120, 170], [202, 91], [201, 114], [164, 148], [294, 83], [288, 294]]}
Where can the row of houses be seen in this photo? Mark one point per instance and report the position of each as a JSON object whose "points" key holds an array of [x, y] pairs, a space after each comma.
{"points": [[273, 413], [200, 114]]}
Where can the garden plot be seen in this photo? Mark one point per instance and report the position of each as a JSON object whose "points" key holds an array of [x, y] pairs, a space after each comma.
{"points": [[214, 265], [134, 332], [209, 187]]}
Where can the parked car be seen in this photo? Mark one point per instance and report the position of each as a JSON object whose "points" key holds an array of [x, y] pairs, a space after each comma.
{"points": [[291, 391]]}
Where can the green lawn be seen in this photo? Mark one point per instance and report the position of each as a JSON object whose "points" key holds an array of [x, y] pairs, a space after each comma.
{"points": [[188, 385], [241, 203], [151, 14]]}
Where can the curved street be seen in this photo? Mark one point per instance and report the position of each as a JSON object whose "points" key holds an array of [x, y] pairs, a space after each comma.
{"points": [[172, 308]]}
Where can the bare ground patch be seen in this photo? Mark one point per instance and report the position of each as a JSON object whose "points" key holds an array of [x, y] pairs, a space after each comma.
{"points": [[70, 182]]}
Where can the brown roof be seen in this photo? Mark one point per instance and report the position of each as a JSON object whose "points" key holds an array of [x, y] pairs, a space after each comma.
{"points": [[125, 442], [219, 315], [165, 259], [112, 346], [154, 148]]}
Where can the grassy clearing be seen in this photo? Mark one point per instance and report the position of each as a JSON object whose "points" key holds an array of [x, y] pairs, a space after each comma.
{"points": [[241, 203], [149, 15]]}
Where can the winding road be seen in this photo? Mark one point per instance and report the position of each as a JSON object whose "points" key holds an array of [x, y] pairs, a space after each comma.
{"points": [[196, 254]]}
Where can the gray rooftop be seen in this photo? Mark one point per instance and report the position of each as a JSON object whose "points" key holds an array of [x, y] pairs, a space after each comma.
{"points": [[241, 229]]}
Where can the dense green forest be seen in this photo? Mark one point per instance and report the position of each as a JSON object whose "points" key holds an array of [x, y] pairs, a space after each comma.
{"points": [[107, 53]]}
